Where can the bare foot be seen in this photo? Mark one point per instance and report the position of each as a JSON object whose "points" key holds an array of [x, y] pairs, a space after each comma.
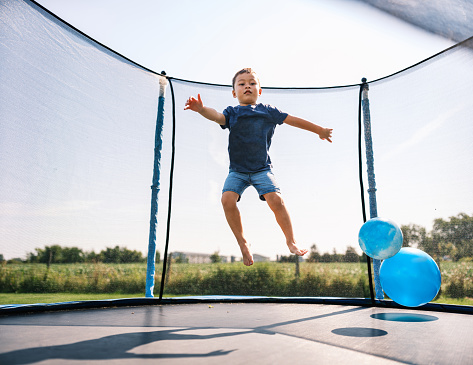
{"points": [[297, 251], [247, 256]]}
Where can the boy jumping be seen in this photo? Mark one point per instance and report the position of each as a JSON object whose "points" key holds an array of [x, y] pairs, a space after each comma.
{"points": [[251, 128]]}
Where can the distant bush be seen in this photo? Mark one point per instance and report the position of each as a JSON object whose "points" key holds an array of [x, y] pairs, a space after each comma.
{"points": [[261, 279], [72, 278], [269, 279]]}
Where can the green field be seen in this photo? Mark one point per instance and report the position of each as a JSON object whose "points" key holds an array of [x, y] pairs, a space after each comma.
{"points": [[33, 283]]}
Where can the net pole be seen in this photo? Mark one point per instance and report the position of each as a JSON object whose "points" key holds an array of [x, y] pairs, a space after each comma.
{"points": [[362, 189], [171, 183], [155, 187], [371, 178]]}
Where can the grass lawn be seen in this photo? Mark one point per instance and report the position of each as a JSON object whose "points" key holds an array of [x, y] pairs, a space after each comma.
{"points": [[25, 298], [457, 301]]}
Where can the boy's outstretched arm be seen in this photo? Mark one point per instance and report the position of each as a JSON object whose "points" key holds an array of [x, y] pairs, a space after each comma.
{"points": [[197, 105], [324, 133]]}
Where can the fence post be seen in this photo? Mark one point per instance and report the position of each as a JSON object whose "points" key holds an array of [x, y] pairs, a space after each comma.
{"points": [[371, 178], [158, 143]]}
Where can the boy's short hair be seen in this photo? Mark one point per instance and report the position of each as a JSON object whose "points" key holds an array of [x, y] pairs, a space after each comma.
{"points": [[247, 70]]}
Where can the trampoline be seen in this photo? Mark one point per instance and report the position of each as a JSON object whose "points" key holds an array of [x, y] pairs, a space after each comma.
{"points": [[233, 331], [63, 94]]}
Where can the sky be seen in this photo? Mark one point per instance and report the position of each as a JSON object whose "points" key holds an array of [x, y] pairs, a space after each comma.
{"points": [[299, 43]]}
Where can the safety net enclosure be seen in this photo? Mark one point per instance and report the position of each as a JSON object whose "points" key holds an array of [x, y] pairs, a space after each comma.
{"points": [[77, 141], [451, 19]]}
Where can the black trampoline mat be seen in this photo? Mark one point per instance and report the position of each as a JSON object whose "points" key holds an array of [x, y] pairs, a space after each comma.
{"points": [[238, 333]]}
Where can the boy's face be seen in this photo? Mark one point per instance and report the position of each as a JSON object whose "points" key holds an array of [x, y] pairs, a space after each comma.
{"points": [[246, 89]]}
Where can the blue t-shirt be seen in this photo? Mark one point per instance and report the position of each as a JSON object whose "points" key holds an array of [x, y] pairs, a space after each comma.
{"points": [[251, 129]]}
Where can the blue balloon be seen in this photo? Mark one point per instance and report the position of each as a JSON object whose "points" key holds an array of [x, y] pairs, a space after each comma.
{"points": [[380, 238], [410, 278]]}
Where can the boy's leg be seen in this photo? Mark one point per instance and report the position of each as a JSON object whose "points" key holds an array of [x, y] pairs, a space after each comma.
{"points": [[281, 213], [232, 213]]}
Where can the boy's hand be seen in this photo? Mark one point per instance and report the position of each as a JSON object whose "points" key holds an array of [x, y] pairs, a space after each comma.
{"points": [[197, 105], [326, 134], [194, 104]]}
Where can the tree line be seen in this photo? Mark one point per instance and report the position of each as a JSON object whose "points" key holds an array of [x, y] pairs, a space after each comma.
{"points": [[56, 254], [450, 239]]}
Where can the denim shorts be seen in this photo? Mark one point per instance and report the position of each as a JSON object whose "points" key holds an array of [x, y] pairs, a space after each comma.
{"points": [[263, 181]]}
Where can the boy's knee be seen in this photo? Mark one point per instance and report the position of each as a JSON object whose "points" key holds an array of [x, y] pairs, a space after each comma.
{"points": [[274, 200], [229, 199]]}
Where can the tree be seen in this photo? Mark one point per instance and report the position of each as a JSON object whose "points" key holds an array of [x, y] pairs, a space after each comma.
{"points": [[337, 257], [449, 238], [93, 257], [120, 255], [56, 255], [72, 255], [455, 234], [291, 258], [326, 257], [215, 257], [111, 255], [66, 255], [129, 256], [413, 235], [48, 255], [417, 236], [351, 255], [314, 255]]}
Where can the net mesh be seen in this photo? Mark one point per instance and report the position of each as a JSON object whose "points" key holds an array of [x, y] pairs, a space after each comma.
{"points": [[75, 118], [76, 155], [423, 140], [450, 19]]}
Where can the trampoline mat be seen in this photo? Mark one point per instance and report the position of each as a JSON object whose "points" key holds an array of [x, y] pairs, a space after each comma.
{"points": [[237, 333]]}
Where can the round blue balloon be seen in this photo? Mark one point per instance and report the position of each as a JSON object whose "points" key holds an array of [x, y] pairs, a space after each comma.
{"points": [[410, 278], [380, 238]]}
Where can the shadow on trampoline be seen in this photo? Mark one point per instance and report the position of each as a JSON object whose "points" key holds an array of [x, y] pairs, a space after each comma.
{"points": [[404, 317], [359, 332], [113, 347]]}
